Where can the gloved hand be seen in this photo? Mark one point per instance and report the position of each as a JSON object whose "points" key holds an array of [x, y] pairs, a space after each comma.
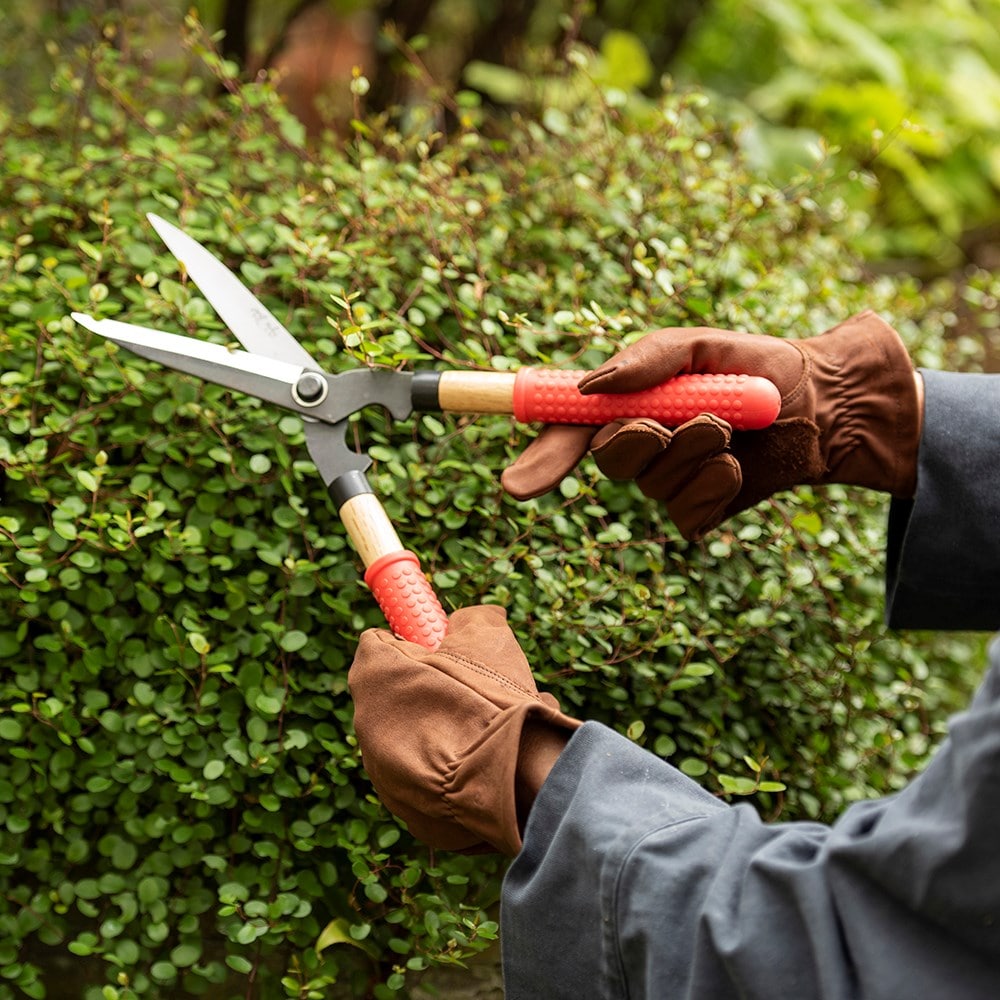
{"points": [[849, 414], [457, 741]]}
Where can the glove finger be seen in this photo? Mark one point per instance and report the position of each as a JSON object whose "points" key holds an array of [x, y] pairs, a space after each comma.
{"points": [[689, 448], [623, 448], [703, 502], [658, 356], [546, 461], [662, 354]]}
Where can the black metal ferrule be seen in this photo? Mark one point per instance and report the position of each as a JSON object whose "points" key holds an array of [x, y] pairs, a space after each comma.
{"points": [[347, 486], [424, 392]]}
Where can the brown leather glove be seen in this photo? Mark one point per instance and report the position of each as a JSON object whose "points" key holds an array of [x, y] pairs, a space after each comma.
{"points": [[457, 741], [849, 414]]}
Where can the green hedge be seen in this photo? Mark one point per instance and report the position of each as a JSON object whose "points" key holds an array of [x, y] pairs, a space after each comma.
{"points": [[182, 808]]}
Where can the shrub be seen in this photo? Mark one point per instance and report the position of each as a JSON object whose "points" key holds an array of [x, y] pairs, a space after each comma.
{"points": [[182, 808]]}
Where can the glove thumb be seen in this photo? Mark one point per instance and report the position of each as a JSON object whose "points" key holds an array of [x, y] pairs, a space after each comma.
{"points": [[546, 461]]}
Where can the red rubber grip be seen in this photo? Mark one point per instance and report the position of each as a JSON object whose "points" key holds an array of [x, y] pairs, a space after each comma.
{"points": [[407, 599], [550, 396]]}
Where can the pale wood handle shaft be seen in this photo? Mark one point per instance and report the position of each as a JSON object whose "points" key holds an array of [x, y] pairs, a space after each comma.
{"points": [[476, 392], [369, 527]]}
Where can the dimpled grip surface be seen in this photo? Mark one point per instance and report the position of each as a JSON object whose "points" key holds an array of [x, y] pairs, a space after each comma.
{"points": [[407, 599], [550, 396]]}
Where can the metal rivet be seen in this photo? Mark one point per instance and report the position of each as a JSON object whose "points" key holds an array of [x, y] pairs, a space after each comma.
{"points": [[310, 390]]}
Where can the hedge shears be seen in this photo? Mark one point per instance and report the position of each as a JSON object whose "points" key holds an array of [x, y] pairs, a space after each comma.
{"points": [[275, 367]]}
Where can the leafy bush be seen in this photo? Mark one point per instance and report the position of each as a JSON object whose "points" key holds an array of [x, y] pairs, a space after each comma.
{"points": [[182, 805]]}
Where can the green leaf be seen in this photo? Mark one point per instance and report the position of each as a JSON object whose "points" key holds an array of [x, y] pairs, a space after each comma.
{"points": [[808, 521], [185, 955], [86, 480], [199, 643], [693, 767], [635, 730], [698, 670], [10, 730], [294, 640], [376, 893], [163, 972], [150, 889], [337, 931], [268, 704], [737, 786]]}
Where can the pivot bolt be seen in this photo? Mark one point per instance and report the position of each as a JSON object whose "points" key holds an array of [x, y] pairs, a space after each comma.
{"points": [[310, 390]]}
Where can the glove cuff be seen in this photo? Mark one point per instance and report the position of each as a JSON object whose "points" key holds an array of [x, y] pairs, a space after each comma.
{"points": [[481, 788], [866, 405]]}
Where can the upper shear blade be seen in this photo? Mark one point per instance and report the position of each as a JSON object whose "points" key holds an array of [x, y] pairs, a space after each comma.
{"points": [[251, 322]]}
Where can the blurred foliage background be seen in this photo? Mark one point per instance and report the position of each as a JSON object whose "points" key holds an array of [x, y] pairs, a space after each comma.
{"points": [[182, 808], [901, 98]]}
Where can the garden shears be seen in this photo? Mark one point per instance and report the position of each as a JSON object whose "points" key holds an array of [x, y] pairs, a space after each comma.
{"points": [[275, 367]]}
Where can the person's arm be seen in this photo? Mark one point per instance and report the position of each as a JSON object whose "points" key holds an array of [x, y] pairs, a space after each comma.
{"points": [[853, 412], [943, 554], [634, 882]]}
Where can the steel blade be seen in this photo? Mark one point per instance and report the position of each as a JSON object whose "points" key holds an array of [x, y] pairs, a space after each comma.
{"points": [[304, 389], [250, 373], [251, 322]]}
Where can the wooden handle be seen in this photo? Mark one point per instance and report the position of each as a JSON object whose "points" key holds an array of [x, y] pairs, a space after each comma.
{"points": [[400, 586], [369, 526], [476, 392]]}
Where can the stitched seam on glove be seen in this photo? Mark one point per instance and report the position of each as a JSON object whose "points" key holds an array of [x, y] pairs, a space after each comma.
{"points": [[482, 669], [900, 432], [804, 379], [852, 427], [447, 781]]}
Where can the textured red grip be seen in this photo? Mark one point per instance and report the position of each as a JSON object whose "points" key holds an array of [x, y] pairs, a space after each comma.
{"points": [[407, 599], [550, 396]]}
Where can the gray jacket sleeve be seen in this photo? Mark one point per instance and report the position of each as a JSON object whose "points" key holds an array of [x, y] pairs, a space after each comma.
{"points": [[635, 883], [943, 557]]}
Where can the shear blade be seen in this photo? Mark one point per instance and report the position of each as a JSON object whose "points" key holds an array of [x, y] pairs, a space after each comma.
{"points": [[250, 321], [240, 370], [264, 377]]}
